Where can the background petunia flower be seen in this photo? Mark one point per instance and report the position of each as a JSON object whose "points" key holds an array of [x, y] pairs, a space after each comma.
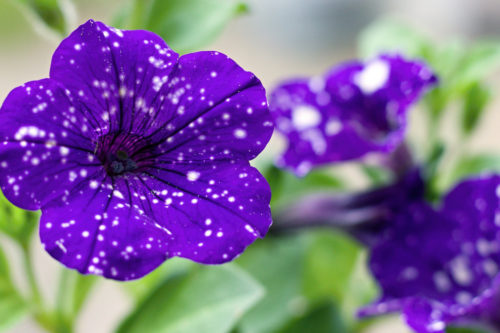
{"points": [[135, 154], [354, 109], [442, 266]]}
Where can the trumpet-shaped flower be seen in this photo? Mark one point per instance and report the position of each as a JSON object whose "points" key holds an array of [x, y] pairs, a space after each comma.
{"points": [[354, 109], [135, 155]]}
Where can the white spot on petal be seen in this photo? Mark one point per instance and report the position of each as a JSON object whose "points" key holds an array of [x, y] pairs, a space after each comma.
{"points": [[193, 175], [373, 76], [305, 116]]}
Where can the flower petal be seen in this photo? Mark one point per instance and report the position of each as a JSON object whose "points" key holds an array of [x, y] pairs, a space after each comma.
{"points": [[102, 230], [312, 125], [44, 143], [214, 212], [354, 110], [117, 75], [415, 269], [123, 230], [374, 97], [425, 316], [447, 261], [214, 110]]}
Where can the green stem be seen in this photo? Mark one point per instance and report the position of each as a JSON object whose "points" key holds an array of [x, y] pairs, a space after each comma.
{"points": [[36, 297], [39, 310], [433, 134], [140, 9], [64, 302], [62, 293]]}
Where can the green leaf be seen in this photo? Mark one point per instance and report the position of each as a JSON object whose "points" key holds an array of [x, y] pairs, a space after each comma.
{"points": [[12, 306], [83, 286], [299, 273], [467, 166], [186, 25], [466, 330], [286, 187], [430, 171], [391, 36], [325, 318], [360, 290], [445, 60], [73, 290], [209, 299], [475, 100], [277, 263], [452, 60], [330, 261], [377, 175], [139, 289], [15, 222], [54, 15], [436, 100], [478, 62]]}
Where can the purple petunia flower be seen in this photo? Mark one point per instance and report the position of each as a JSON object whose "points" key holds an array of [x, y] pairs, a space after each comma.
{"points": [[135, 154], [355, 109], [442, 266]]}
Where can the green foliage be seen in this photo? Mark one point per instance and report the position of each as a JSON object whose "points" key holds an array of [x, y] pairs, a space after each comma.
{"points": [[286, 187], [361, 289], [305, 275], [325, 318], [277, 263], [17, 223], [12, 306], [476, 98], [83, 285], [462, 69], [207, 299], [377, 175], [301, 273], [476, 62], [330, 261], [55, 15], [186, 25], [467, 166], [391, 36], [139, 289], [466, 330]]}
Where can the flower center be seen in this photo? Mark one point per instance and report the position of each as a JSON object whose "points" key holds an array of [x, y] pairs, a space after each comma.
{"points": [[122, 153], [121, 163]]}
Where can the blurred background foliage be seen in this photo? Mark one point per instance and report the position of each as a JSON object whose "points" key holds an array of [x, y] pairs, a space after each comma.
{"points": [[309, 282]]}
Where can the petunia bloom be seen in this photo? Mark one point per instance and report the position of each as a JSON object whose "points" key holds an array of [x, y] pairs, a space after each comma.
{"points": [[135, 155], [441, 266], [354, 109]]}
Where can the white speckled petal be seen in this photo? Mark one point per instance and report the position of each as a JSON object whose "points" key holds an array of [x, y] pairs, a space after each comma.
{"points": [[447, 265], [116, 74], [213, 110], [354, 109], [214, 213], [44, 150], [102, 230]]}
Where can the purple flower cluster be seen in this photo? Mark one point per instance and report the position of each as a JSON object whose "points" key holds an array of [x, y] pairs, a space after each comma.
{"points": [[135, 155], [438, 266], [355, 109]]}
